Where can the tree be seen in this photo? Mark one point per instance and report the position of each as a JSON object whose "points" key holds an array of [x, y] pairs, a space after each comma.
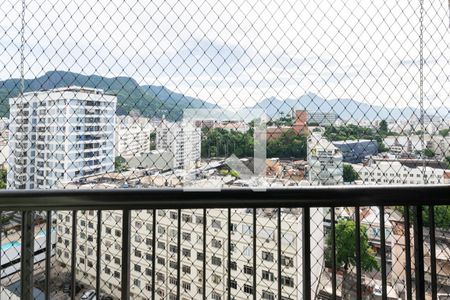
{"points": [[444, 132], [120, 164], [346, 250], [153, 141], [429, 153], [3, 178], [383, 127], [350, 175]]}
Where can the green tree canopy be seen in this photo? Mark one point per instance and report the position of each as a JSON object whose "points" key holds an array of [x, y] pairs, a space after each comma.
{"points": [[350, 175], [3, 178], [346, 250]]}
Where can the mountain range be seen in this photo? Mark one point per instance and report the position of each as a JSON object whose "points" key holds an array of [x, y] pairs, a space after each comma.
{"points": [[346, 109], [156, 101], [148, 100]]}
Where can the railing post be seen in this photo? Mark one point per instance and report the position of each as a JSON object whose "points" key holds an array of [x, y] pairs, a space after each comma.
{"points": [[73, 264], [408, 277], [27, 256], [358, 253], [306, 249], [383, 254], [432, 234], [126, 248], [98, 265], [333, 253], [48, 254], [418, 252]]}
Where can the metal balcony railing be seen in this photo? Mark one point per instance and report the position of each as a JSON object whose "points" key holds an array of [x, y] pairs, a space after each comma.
{"points": [[272, 204]]}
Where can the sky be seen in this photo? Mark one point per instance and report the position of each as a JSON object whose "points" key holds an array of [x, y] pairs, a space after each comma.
{"points": [[237, 53]]}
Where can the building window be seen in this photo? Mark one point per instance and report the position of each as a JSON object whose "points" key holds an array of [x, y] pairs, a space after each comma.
{"points": [[248, 289], [266, 275], [186, 218], [216, 261], [136, 283], [186, 269], [161, 245], [186, 252], [287, 261], [267, 256], [200, 256], [186, 285], [233, 284], [288, 281], [268, 295], [215, 296], [173, 280], [173, 264], [161, 260], [161, 230], [137, 268], [137, 253], [248, 251], [248, 270], [160, 277], [216, 224], [199, 219], [233, 265], [173, 248], [216, 243], [186, 236], [173, 215]]}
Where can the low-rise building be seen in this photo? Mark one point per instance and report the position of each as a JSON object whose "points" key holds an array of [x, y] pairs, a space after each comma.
{"points": [[394, 172], [354, 151]]}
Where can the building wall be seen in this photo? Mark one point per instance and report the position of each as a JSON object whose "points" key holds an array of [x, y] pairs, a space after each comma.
{"points": [[394, 172], [192, 246], [183, 140], [355, 151], [325, 162], [61, 134], [132, 135]]}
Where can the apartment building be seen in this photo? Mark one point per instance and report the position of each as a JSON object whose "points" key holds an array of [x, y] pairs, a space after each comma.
{"points": [[192, 255], [325, 161], [60, 135], [132, 135], [183, 139], [322, 118], [394, 172]]}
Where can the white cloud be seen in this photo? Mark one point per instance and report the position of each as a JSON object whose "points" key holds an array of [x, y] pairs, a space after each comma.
{"points": [[239, 52]]}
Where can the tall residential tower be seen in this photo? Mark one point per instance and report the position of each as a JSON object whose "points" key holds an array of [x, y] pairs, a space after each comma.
{"points": [[61, 134]]}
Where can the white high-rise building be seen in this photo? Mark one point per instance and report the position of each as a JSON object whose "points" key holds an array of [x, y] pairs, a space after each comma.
{"points": [[183, 139], [192, 253], [132, 135], [325, 162], [60, 135]]}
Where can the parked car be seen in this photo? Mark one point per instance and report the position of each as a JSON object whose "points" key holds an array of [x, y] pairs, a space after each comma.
{"points": [[377, 291], [67, 286], [89, 295]]}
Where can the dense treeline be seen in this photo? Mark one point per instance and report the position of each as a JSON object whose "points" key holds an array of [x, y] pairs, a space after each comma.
{"points": [[219, 142]]}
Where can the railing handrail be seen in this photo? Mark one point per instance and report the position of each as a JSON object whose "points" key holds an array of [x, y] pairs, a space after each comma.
{"points": [[178, 198]]}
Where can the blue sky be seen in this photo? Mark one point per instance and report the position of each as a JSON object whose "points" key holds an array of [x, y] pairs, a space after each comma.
{"points": [[237, 53]]}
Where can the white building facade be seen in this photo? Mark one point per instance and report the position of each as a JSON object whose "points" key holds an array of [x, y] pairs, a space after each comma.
{"points": [[132, 135], [325, 162], [393, 172], [60, 135], [192, 253], [183, 139]]}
